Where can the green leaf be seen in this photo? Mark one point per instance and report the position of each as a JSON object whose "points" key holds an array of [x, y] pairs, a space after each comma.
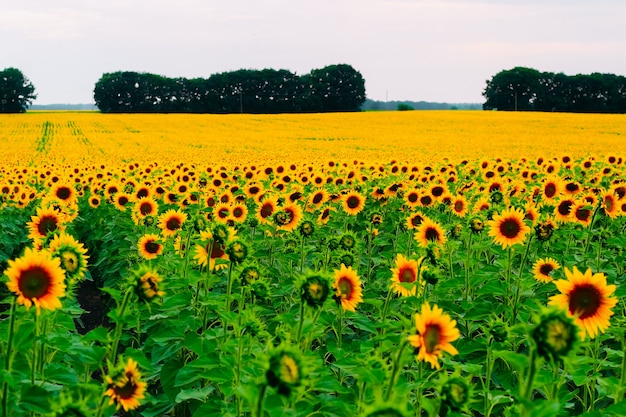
{"points": [[34, 399], [194, 394]]}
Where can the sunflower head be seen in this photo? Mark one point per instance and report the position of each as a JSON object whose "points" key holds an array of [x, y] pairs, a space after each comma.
{"points": [[347, 286], [221, 233], [456, 393], [544, 230], [249, 275], [285, 370], [147, 284], [306, 228], [314, 290], [348, 241], [72, 254], [124, 386], [476, 225], [556, 334], [237, 251]]}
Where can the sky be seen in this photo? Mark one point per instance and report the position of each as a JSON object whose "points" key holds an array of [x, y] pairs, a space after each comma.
{"points": [[430, 50]]}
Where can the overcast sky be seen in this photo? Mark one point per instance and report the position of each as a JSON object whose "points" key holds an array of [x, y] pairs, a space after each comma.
{"points": [[432, 50]]}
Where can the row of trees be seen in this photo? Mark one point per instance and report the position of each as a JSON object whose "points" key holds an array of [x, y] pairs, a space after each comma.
{"points": [[523, 88], [332, 88], [16, 91]]}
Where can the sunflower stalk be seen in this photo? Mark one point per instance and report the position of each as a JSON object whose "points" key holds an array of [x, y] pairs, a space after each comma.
{"points": [[259, 404], [518, 285], [593, 217], [622, 378], [8, 360], [397, 363], [528, 387], [119, 325]]}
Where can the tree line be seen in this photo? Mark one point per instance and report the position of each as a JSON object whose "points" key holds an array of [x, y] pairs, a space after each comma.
{"points": [[524, 88], [16, 91], [329, 89]]}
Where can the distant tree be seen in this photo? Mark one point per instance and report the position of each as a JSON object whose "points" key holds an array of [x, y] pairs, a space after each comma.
{"points": [[405, 107], [334, 88], [16, 91], [514, 89]]}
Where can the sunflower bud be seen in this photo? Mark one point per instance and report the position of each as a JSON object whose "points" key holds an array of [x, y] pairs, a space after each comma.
{"points": [[544, 230], [476, 225], [496, 197], [249, 275], [199, 224], [220, 233], [456, 393], [147, 284], [237, 251], [348, 241], [430, 277], [284, 371], [314, 291], [306, 228], [498, 330], [556, 334]]}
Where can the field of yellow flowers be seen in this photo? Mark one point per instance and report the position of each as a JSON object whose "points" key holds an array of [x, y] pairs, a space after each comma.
{"points": [[440, 263]]}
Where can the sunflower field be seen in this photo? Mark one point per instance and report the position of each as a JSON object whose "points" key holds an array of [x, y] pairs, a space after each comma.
{"points": [[440, 263]]}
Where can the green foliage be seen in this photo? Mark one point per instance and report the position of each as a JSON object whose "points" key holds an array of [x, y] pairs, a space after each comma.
{"points": [[16, 91], [523, 88], [332, 88]]}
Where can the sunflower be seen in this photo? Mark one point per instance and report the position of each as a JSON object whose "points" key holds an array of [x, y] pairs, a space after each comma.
{"points": [[266, 209], [146, 206], [435, 331], [414, 220], [171, 221], [63, 193], [211, 250], [288, 217], [347, 287], [94, 201], [430, 231], [125, 387], [47, 220], [147, 284], [121, 200], [353, 203], [609, 204], [508, 228], [324, 216], [412, 198], [582, 213], [563, 210], [317, 199], [238, 212], [149, 246], [543, 268], [37, 278], [72, 254], [459, 206], [587, 298], [405, 278]]}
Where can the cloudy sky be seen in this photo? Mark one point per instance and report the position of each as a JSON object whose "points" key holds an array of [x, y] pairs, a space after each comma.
{"points": [[432, 50]]}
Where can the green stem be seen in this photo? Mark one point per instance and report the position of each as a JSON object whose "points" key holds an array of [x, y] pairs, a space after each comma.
{"points": [[468, 251], [259, 404], [622, 378], [119, 325], [516, 299], [8, 359], [301, 324], [593, 217], [508, 274], [301, 253], [386, 307], [340, 331], [396, 367], [187, 252], [487, 383], [528, 388], [229, 285], [35, 363]]}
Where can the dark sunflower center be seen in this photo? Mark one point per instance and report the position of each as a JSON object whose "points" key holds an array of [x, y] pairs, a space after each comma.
{"points": [[64, 193], [223, 213], [432, 337], [416, 220], [266, 210], [426, 200], [437, 191], [317, 198], [583, 214], [546, 269], [458, 206], [173, 224], [608, 203], [407, 275], [34, 282], [571, 187], [127, 390], [510, 228], [217, 251], [47, 224], [238, 212], [353, 202], [152, 247], [550, 190], [145, 208], [432, 234], [345, 287], [325, 214], [564, 207], [413, 197], [585, 301]]}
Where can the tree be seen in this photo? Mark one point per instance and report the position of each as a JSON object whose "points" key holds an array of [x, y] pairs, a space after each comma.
{"points": [[16, 91], [514, 89], [334, 88]]}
